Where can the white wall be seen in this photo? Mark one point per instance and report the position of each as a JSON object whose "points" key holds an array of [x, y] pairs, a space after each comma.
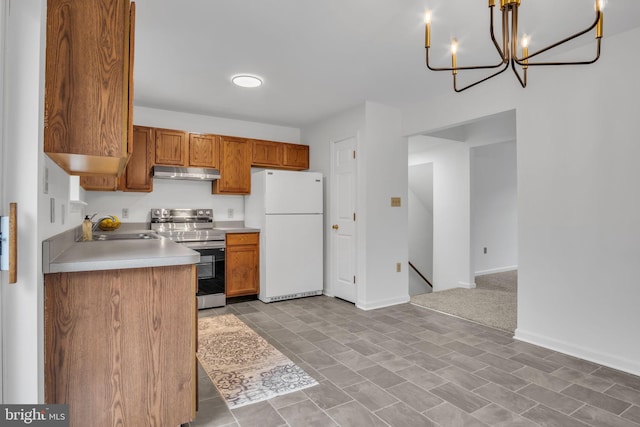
{"points": [[386, 227], [381, 174], [185, 194], [451, 212], [578, 228], [494, 208]]}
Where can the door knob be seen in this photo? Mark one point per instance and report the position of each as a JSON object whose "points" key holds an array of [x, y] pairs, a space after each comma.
{"points": [[335, 226]]}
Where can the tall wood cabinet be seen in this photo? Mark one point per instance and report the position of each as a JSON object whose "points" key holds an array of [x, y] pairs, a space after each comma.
{"points": [[89, 85], [235, 166], [138, 175], [242, 264]]}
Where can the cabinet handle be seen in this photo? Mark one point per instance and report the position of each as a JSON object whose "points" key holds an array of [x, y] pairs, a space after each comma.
{"points": [[335, 226]]}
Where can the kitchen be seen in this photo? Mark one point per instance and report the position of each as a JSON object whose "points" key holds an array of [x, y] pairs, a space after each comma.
{"points": [[384, 228]]}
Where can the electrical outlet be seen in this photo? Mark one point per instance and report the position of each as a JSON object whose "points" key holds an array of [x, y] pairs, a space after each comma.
{"points": [[230, 213], [485, 249], [125, 212], [398, 267], [395, 202]]}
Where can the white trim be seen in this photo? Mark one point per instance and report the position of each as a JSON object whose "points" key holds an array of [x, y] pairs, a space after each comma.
{"points": [[383, 303], [496, 270], [589, 354], [4, 23], [467, 285]]}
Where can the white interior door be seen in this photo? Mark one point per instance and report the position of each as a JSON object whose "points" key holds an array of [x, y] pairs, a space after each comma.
{"points": [[343, 217]]}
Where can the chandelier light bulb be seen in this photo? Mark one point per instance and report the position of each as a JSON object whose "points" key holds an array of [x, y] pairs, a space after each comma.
{"points": [[600, 5], [525, 40], [427, 17], [454, 46]]}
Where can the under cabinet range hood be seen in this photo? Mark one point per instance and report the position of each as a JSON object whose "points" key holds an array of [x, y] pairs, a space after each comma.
{"points": [[192, 174]]}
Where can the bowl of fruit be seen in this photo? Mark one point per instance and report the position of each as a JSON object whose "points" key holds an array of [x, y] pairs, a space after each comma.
{"points": [[109, 224]]}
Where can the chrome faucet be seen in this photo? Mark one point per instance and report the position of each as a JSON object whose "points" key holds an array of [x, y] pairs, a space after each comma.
{"points": [[97, 222]]}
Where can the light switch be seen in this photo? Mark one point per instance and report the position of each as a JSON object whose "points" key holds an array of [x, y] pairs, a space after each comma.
{"points": [[395, 202]]}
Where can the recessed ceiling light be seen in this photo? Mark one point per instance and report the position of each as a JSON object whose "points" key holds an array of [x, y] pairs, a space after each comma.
{"points": [[246, 80]]}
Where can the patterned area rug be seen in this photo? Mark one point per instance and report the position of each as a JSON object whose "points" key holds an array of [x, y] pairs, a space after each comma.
{"points": [[243, 366]]}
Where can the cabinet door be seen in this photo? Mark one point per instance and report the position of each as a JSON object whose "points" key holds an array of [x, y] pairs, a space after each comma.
{"points": [[242, 263], [266, 153], [171, 147], [138, 175], [87, 85], [235, 166], [296, 156], [203, 150], [99, 183]]}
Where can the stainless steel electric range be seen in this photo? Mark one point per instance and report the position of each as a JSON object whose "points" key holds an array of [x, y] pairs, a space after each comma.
{"points": [[193, 228]]}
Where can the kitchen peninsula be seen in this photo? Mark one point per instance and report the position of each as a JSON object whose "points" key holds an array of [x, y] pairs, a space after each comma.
{"points": [[120, 330]]}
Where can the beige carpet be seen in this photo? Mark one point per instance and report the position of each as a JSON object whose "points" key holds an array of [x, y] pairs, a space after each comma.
{"points": [[491, 303], [242, 365]]}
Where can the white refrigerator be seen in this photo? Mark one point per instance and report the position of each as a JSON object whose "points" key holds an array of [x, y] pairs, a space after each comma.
{"points": [[287, 208]]}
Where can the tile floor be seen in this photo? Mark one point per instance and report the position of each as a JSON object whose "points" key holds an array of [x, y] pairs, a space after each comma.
{"points": [[410, 366]]}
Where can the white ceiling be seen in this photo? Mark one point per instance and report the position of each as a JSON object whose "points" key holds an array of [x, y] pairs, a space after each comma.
{"points": [[318, 58]]}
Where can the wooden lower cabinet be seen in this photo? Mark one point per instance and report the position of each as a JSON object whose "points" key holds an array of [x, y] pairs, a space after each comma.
{"points": [[120, 346], [242, 261]]}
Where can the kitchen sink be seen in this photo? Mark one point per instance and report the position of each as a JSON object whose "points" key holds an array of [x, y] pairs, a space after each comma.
{"points": [[125, 236]]}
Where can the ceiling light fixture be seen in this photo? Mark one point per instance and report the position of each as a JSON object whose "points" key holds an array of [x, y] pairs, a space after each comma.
{"points": [[246, 80], [508, 51]]}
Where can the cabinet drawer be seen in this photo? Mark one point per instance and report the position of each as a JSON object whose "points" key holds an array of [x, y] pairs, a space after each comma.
{"points": [[242, 239]]}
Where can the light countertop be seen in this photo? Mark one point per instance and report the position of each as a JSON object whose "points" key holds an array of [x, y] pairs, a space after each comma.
{"points": [[63, 253]]}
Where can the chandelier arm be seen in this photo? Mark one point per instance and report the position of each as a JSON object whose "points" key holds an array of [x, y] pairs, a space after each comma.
{"points": [[523, 83], [504, 68], [493, 37], [576, 35], [568, 62], [475, 67]]}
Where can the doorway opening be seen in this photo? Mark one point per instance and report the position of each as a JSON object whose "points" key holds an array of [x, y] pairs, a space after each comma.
{"points": [[473, 189]]}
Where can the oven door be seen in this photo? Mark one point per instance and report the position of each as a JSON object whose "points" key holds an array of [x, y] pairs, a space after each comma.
{"points": [[211, 272]]}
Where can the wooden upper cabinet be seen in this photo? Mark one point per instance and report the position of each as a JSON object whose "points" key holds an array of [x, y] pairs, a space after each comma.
{"points": [[171, 147], [100, 183], [138, 175], [89, 85], [280, 155], [296, 156], [203, 150], [266, 153], [235, 166]]}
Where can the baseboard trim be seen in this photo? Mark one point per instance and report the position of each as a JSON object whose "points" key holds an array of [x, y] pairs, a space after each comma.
{"points": [[467, 285], [591, 355], [496, 270], [372, 305]]}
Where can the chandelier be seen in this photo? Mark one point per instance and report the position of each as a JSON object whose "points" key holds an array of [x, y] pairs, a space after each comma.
{"points": [[508, 49]]}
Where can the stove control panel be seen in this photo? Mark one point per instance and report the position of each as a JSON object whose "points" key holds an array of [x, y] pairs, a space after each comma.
{"points": [[181, 215]]}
